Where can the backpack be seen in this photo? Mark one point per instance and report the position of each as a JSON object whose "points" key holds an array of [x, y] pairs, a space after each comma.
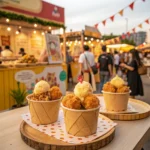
{"points": [[104, 62]]}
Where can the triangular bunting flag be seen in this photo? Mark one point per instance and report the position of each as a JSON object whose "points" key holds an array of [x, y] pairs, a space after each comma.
{"points": [[121, 12], [131, 5], [143, 0], [96, 25], [112, 18], [147, 21], [133, 29], [140, 25], [104, 22], [128, 33]]}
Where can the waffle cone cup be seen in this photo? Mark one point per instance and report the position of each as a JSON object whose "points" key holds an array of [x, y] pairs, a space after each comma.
{"points": [[44, 112], [116, 101], [81, 122]]}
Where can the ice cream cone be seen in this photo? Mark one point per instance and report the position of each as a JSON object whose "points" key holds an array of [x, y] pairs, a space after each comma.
{"points": [[116, 101], [81, 122], [44, 112]]}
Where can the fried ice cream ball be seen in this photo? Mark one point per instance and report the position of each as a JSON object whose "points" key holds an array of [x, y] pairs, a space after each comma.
{"points": [[71, 101], [90, 101], [55, 93], [123, 89], [108, 87]]}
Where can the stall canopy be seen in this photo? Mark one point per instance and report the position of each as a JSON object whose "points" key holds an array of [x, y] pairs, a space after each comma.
{"points": [[43, 14], [121, 47]]}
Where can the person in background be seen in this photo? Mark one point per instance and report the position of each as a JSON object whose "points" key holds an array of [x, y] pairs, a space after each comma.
{"points": [[110, 55], [133, 77], [104, 64], [22, 52], [7, 52], [69, 59], [116, 61], [84, 65], [0, 49]]}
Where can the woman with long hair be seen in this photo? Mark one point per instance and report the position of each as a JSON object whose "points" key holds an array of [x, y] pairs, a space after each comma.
{"points": [[133, 77]]}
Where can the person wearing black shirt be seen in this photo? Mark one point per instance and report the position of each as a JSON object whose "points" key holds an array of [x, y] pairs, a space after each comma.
{"points": [[22, 52], [104, 63]]}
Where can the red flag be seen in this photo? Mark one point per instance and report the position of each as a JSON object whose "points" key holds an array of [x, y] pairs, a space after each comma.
{"points": [[131, 5], [112, 18], [133, 30], [96, 25], [147, 21], [104, 22]]}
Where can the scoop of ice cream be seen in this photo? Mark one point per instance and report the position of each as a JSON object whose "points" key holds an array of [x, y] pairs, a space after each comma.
{"points": [[117, 82], [41, 87], [90, 101], [55, 93], [71, 101], [83, 89]]}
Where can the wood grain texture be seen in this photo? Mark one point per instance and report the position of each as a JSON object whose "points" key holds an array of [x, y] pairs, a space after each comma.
{"points": [[41, 141]]}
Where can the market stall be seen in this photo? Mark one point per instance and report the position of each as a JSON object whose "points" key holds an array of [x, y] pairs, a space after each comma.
{"points": [[34, 31], [75, 41]]}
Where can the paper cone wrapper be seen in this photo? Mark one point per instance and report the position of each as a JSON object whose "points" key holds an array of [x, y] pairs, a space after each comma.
{"points": [[81, 122], [44, 112], [116, 101]]}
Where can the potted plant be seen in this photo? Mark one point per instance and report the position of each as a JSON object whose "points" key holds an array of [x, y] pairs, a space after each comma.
{"points": [[19, 96]]}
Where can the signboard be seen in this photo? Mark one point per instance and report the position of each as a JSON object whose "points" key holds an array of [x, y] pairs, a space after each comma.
{"points": [[28, 5], [53, 48], [35, 8], [5, 40], [92, 31], [54, 76]]}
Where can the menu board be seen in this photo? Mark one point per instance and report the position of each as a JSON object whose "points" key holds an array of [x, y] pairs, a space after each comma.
{"points": [[53, 48], [5, 40], [21, 42]]}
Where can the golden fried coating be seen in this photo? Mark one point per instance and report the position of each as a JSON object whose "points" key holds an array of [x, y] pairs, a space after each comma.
{"points": [[90, 101], [71, 101], [123, 89], [55, 93], [41, 97], [108, 87]]}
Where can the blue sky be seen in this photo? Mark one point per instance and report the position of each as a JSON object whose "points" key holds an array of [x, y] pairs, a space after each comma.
{"points": [[88, 12]]}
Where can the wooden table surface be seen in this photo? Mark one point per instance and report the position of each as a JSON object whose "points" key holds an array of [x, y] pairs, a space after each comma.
{"points": [[130, 135]]}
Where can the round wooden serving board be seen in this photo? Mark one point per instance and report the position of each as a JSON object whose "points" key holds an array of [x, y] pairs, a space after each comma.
{"points": [[141, 107], [41, 141]]}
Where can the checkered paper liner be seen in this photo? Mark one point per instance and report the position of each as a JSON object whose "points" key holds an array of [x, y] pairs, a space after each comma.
{"points": [[130, 108], [58, 131]]}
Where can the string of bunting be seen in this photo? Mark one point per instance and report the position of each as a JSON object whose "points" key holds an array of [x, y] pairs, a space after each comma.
{"points": [[121, 13], [117, 40]]}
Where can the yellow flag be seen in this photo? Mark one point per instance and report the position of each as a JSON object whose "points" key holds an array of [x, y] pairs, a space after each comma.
{"points": [[140, 25], [121, 12]]}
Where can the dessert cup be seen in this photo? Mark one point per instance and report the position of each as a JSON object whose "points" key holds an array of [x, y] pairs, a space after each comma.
{"points": [[44, 112], [81, 122], [116, 101]]}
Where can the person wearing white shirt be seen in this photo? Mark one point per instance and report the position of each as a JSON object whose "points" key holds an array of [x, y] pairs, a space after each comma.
{"points": [[86, 60], [116, 61]]}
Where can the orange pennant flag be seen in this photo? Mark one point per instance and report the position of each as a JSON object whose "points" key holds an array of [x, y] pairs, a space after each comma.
{"points": [[131, 5], [104, 22], [121, 12], [112, 18], [140, 25], [147, 21], [96, 25]]}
